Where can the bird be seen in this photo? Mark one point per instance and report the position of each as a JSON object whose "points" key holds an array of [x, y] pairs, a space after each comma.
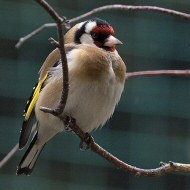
{"points": [[96, 82]]}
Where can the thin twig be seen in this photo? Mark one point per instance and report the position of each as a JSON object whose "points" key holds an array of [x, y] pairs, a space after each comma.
{"points": [[9, 155], [35, 32], [54, 42], [59, 21], [131, 8], [107, 8], [13, 151], [158, 73], [164, 169], [156, 172]]}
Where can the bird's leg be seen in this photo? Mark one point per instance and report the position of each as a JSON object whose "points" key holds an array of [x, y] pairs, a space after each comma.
{"points": [[68, 121], [86, 138], [86, 142]]}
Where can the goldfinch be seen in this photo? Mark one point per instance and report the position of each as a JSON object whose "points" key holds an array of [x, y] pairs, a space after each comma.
{"points": [[96, 80]]}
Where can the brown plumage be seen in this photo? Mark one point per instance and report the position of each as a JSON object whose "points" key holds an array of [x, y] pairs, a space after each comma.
{"points": [[96, 79]]}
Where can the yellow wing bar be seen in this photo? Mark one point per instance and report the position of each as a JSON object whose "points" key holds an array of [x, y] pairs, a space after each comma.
{"points": [[35, 97]]}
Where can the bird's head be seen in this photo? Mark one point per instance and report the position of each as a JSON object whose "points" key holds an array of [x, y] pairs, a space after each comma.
{"points": [[95, 32]]}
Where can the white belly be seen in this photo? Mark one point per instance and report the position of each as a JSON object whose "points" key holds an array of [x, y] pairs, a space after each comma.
{"points": [[92, 104]]}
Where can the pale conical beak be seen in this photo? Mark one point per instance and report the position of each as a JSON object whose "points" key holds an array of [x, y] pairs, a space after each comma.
{"points": [[112, 41]]}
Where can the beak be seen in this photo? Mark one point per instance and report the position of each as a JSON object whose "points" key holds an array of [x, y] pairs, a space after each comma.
{"points": [[112, 41]]}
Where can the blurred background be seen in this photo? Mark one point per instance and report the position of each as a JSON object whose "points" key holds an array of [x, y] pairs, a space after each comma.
{"points": [[151, 123]]}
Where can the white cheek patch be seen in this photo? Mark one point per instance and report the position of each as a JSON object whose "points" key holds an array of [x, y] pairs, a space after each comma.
{"points": [[87, 39], [89, 26], [80, 25]]}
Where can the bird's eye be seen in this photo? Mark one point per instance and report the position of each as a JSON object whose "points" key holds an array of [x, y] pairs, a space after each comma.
{"points": [[94, 35]]}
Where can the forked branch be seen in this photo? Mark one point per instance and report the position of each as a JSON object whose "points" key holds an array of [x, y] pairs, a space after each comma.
{"points": [[131, 8], [102, 9]]}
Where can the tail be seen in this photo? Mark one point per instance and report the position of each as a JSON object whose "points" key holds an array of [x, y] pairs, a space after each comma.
{"points": [[29, 159]]}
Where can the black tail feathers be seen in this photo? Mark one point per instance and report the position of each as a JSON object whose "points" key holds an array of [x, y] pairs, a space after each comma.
{"points": [[29, 159]]}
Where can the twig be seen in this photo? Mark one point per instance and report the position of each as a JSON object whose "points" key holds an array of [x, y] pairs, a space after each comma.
{"points": [[35, 32], [164, 169], [13, 151], [158, 73], [9, 155], [131, 8], [54, 42], [59, 21], [106, 8]]}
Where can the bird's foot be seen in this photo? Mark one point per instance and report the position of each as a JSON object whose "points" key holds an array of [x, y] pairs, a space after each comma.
{"points": [[86, 142], [68, 120]]}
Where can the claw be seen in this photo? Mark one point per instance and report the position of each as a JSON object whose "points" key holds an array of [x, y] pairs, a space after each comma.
{"points": [[171, 163], [68, 129], [85, 143], [162, 164], [83, 146], [69, 121]]}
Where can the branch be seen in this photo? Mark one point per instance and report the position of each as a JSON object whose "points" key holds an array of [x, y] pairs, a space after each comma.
{"points": [[105, 8], [131, 8], [158, 73], [59, 21], [13, 151], [164, 169], [35, 32]]}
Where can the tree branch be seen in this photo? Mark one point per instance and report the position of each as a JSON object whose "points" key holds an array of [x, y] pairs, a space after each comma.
{"points": [[35, 32], [13, 151], [158, 73], [131, 8], [164, 169], [9, 155], [102, 9], [59, 21]]}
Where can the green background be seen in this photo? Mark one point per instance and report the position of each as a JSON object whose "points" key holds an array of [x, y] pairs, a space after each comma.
{"points": [[151, 123]]}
